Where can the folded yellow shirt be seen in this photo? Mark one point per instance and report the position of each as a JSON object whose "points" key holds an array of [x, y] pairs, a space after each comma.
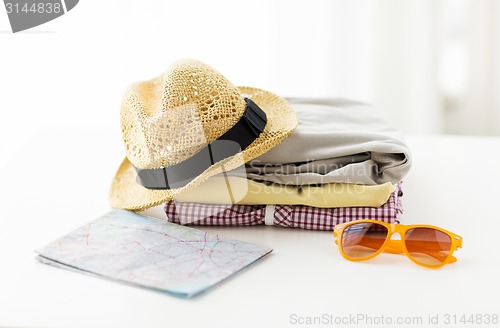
{"points": [[234, 190]]}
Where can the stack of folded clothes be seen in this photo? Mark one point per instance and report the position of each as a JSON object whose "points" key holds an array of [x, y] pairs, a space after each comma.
{"points": [[344, 162]]}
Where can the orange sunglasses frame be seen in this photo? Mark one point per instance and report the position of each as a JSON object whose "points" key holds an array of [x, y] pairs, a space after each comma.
{"points": [[397, 246]]}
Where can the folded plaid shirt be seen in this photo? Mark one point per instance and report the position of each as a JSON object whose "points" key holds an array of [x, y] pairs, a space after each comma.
{"points": [[292, 216]]}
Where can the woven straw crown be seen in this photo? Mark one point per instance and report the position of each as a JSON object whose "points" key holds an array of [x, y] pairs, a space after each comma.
{"points": [[170, 118]]}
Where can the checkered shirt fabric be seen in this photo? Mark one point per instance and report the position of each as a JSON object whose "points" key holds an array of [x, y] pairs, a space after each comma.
{"points": [[291, 216]]}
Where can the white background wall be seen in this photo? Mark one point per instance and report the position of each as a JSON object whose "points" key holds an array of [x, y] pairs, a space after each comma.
{"points": [[430, 64]]}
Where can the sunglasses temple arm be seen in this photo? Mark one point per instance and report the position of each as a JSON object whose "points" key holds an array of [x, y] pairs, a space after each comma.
{"points": [[396, 247], [336, 236]]}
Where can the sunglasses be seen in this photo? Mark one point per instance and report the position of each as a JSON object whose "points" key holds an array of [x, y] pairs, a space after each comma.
{"points": [[426, 245]]}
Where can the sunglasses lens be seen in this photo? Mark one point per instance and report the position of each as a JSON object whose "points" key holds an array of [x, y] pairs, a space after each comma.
{"points": [[427, 245], [363, 239]]}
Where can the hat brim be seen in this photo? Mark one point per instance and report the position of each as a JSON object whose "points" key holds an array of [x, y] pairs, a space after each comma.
{"points": [[126, 193]]}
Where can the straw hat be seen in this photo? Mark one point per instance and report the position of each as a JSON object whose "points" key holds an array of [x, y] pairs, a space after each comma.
{"points": [[190, 124]]}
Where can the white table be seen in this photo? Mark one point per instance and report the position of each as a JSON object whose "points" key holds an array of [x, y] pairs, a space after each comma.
{"points": [[59, 181]]}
